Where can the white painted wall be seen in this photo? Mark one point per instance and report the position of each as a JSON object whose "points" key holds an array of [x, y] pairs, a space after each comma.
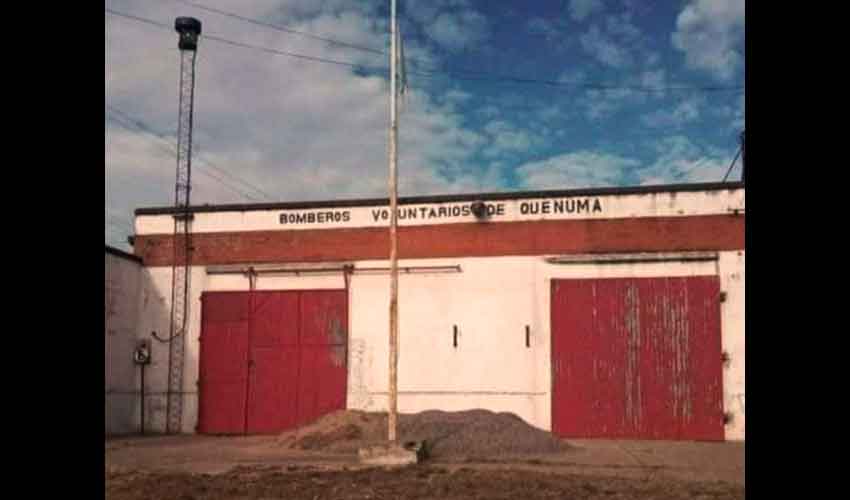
{"points": [[490, 300], [121, 295], [155, 310], [731, 271], [670, 204]]}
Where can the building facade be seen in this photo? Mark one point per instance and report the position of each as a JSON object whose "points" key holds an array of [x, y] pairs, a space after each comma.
{"points": [[596, 313], [122, 288]]}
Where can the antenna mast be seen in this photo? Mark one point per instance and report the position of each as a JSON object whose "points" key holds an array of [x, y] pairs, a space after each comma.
{"points": [[189, 29]]}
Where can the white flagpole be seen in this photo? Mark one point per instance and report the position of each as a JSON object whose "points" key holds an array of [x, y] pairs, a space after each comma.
{"points": [[393, 188]]}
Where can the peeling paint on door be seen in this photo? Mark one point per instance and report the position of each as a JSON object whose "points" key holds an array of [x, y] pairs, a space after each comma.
{"points": [[271, 360], [644, 356]]}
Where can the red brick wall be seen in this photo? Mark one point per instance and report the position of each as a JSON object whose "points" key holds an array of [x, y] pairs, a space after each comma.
{"points": [[645, 234]]}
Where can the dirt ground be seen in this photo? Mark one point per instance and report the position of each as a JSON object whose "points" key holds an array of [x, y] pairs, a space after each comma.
{"points": [[419, 482], [259, 467], [472, 454]]}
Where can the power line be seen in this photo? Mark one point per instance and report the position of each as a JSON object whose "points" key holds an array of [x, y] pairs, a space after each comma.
{"points": [[485, 77], [205, 161], [310, 35], [132, 127], [137, 18], [291, 54], [140, 126], [587, 86], [285, 29], [112, 180], [732, 164], [208, 174], [249, 46]]}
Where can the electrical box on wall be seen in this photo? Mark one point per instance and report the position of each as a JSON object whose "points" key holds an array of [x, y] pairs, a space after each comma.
{"points": [[142, 352]]}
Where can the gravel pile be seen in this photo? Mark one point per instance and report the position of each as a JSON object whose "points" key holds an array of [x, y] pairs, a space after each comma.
{"points": [[471, 433]]}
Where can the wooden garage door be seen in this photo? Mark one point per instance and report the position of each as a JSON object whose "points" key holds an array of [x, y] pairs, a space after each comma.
{"points": [[271, 360], [637, 358]]}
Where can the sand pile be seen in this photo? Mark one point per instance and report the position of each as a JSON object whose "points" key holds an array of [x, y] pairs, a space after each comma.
{"points": [[471, 433]]}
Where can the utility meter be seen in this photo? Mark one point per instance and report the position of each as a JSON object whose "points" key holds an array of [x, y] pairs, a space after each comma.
{"points": [[142, 352]]}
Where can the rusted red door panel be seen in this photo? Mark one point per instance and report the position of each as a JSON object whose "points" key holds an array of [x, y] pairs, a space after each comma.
{"points": [[271, 360], [272, 390], [224, 363], [275, 318], [637, 358], [324, 320], [273, 364], [704, 418]]}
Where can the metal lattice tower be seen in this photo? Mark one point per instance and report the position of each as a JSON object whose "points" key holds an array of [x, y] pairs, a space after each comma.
{"points": [[189, 30]]}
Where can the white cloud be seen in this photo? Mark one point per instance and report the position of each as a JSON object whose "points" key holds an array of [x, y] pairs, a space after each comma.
{"points": [[424, 12], [576, 170], [656, 79], [456, 96], [297, 129], [555, 32], [507, 138], [738, 115], [733, 114], [619, 45], [653, 58], [304, 130], [598, 44], [553, 112], [686, 111], [710, 33], [677, 160], [573, 76], [601, 104], [457, 30], [681, 160], [622, 26], [453, 24], [489, 111], [545, 27], [581, 9]]}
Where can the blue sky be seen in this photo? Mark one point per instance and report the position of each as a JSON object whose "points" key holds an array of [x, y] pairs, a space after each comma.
{"points": [[271, 127]]}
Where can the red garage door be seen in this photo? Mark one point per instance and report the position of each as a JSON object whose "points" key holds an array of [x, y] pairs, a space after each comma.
{"points": [[270, 360], [637, 358]]}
